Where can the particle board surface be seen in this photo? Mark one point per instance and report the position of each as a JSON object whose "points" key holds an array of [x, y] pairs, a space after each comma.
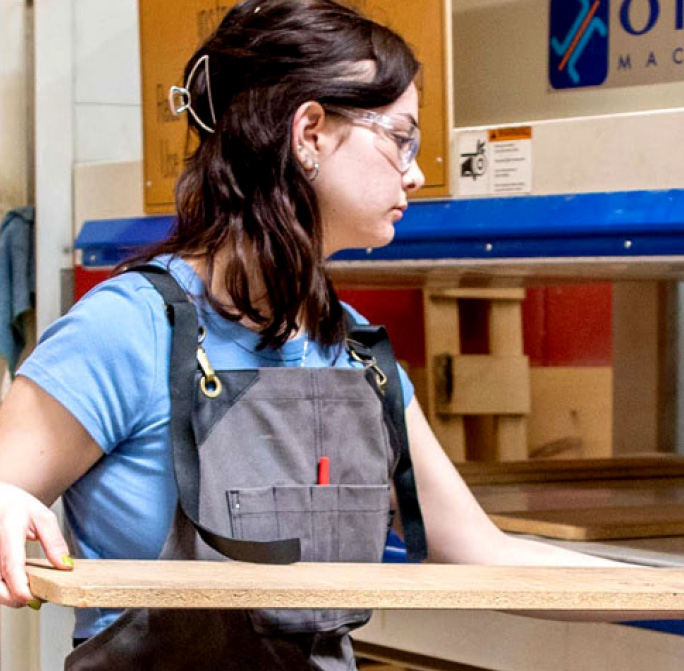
{"points": [[596, 523], [182, 584]]}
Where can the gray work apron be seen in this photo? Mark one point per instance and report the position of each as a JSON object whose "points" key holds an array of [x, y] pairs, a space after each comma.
{"points": [[249, 488]]}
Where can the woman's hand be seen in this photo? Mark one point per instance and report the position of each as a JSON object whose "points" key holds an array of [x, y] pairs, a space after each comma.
{"points": [[23, 517], [43, 450]]}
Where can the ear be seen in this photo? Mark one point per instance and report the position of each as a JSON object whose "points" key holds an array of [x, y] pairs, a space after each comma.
{"points": [[307, 126]]}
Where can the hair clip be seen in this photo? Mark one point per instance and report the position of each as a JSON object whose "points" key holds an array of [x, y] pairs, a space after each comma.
{"points": [[181, 95]]}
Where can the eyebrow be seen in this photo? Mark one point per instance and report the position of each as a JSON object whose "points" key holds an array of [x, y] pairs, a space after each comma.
{"points": [[409, 117]]}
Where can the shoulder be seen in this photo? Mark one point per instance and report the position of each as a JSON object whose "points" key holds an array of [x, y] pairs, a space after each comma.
{"points": [[125, 298], [119, 326], [354, 313], [104, 360], [111, 312]]}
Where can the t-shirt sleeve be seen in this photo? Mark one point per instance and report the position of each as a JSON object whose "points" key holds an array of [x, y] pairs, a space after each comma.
{"points": [[406, 384], [100, 361]]}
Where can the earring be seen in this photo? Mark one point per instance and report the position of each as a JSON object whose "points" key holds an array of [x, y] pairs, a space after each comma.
{"points": [[311, 165], [314, 171]]}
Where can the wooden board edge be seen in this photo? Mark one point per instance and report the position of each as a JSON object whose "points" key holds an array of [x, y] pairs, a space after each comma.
{"points": [[545, 529]]}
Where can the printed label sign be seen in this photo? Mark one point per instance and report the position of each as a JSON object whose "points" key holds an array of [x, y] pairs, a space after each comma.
{"points": [[474, 164], [511, 151], [495, 162]]}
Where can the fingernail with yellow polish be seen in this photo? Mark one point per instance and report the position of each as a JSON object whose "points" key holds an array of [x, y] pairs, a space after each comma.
{"points": [[67, 561], [35, 604]]}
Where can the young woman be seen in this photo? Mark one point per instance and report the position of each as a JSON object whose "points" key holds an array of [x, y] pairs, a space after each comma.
{"points": [[307, 119]]}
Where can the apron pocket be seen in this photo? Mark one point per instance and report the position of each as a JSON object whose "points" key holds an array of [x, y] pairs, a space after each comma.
{"points": [[363, 522], [335, 523]]}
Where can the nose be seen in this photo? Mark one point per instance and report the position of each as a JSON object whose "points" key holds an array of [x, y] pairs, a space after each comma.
{"points": [[413, 178]]}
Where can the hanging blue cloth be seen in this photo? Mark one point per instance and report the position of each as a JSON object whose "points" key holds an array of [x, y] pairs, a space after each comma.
{"points": [[17, 281]]}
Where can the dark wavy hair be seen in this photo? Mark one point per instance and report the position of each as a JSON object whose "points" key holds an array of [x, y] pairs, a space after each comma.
{"points": [[242, 190]]}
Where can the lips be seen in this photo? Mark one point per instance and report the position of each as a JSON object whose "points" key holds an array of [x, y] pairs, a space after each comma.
{"points": [[398, 212]]}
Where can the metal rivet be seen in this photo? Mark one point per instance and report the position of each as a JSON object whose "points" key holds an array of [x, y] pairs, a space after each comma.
{"points": [[369, 250], [628, 244], [489, 247], [439, 159], [148, 183]]}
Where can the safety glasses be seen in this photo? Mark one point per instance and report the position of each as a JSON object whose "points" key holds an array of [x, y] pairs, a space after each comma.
{"points": [[397, 127]]}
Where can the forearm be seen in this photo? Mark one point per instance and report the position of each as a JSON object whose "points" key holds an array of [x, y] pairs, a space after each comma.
{"points": [[516, 551], [498, 549]]}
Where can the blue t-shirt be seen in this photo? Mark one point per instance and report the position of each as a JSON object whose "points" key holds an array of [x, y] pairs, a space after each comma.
{"points": [[107, 362]]}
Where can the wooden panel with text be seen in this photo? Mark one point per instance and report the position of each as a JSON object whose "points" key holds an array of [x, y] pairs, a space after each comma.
{"points": [[171, 31]]}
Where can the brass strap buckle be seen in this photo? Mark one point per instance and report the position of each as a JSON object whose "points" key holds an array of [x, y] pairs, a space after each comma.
{"points": [[369, 362], [210, 383]]}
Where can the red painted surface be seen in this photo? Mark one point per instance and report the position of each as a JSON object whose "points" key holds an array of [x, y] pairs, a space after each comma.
{"points": [[86, 278], [569, 325], [562, 326]]}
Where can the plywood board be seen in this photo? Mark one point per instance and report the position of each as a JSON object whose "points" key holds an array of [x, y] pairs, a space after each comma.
{"points": [[170, 32], [489, 385], [442, 322], [183, 584], [580, 470], [598, 523], [571, 412]]}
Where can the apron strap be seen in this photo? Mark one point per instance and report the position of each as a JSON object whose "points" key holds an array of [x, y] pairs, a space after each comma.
{"points": [[377, 343], [182, 317]]}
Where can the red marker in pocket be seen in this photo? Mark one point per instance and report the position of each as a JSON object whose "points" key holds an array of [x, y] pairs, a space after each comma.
{"points": [[324, 471]]}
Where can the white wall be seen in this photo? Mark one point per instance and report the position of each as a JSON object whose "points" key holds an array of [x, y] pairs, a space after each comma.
{"points": [[107, 118], [108, 146], [13, 105]]}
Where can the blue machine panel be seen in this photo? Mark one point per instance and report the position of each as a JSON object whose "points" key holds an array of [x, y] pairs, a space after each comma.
{"points": [[633, 223], [107, 242]]}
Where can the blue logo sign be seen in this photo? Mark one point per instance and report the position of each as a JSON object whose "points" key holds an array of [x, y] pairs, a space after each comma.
{"points": [[578, 54]]}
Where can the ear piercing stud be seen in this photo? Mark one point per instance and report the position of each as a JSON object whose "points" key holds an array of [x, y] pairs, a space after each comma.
{"points": [[311, 165]]}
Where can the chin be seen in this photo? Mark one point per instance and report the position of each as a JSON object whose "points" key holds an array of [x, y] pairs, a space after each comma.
{"points": [[379, 237], [386, 237]]}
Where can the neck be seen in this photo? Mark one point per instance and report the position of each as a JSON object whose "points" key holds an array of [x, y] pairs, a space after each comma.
{"points": [[219, 291]]}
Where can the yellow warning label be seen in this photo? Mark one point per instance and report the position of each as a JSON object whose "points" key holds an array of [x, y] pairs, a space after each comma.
{"points": [[509, 134]]}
